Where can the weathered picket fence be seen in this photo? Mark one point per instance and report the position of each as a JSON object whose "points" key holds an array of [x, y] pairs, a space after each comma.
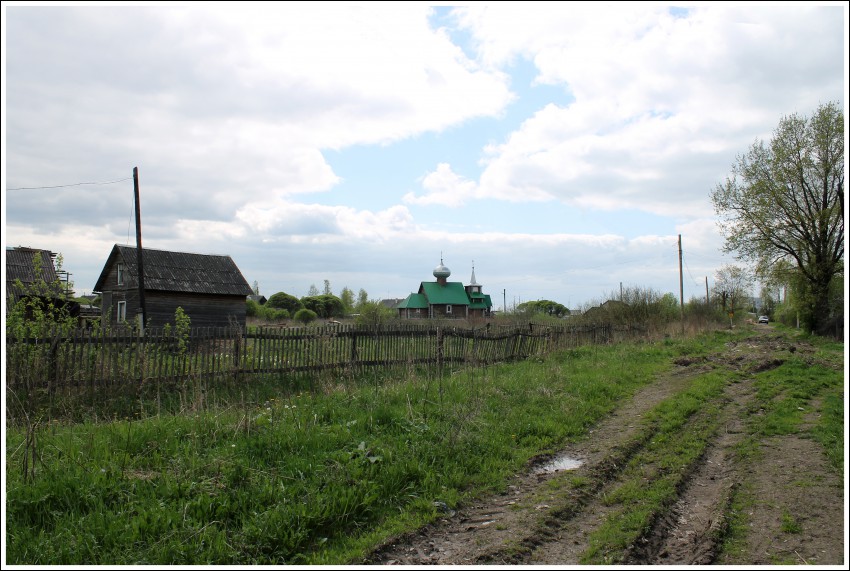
{"points": [[115, 359]]}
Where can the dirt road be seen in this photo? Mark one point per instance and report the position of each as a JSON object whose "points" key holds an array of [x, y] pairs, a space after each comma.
{"points": [[536, 523]]}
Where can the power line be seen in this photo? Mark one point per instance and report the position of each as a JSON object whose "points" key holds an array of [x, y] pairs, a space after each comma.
{"points": [[67, 185]]}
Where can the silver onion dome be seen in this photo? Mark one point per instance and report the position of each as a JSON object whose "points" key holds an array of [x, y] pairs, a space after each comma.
{"points": [[442, 271]]}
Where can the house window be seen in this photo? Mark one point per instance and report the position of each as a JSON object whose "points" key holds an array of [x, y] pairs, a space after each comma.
{"points": [[120, 274], [122, 311], [448, 309]]}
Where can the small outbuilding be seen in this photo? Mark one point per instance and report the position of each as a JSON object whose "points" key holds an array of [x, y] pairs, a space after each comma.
{"points": [[209, 288]]}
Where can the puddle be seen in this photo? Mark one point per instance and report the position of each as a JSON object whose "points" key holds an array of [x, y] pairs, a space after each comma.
{"points": [[559, 463]]}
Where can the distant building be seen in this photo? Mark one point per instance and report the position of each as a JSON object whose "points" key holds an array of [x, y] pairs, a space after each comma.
{"points": [[445, 299], [610, 309], [209, 288], [391, 303]]}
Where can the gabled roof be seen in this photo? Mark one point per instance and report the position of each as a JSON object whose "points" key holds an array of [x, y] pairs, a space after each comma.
{"points": [[20, 265], [179, 272], [413, 301], [451, 293]]}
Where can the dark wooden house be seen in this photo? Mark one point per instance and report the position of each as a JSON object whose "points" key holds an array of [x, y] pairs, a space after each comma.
{"points": [[31, 273], [209, 288]]}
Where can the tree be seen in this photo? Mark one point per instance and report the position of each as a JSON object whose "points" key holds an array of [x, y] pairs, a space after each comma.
{"points": [[785, 202], [346, 296], [732, 287], [373, 313], [40, 307], [323, 305], [327, 290], [544, 306], [362, 298], [282, 300], [313, 291]]}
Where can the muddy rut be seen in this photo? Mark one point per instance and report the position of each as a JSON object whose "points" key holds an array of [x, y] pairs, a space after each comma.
{"points": [[539, 522]]}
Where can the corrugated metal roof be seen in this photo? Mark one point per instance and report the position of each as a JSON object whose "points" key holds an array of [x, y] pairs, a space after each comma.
{"points": [[181, 272], [20, 265]]}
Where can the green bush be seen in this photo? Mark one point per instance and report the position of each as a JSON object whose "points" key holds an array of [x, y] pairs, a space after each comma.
{"points": [[305, 316]]}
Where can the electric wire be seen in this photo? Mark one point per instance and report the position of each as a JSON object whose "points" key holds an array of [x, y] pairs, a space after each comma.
{"points": [[72, 184]]}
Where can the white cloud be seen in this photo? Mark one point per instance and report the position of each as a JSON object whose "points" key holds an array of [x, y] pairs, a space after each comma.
{"points": [[444, 187], [227, 112], [652, 92]]}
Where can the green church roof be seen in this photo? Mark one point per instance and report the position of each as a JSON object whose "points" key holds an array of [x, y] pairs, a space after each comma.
{"points": [[452, 293], [414, 301]]}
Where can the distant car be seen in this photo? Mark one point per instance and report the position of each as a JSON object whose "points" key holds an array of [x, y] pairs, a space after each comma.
{"points": [[763, 319]]}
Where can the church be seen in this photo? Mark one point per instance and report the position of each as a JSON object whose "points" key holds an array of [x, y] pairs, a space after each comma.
{"points": [[444, 299]]}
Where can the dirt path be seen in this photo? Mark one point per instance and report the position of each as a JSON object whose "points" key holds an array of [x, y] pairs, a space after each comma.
{"points": [[539, 522]]}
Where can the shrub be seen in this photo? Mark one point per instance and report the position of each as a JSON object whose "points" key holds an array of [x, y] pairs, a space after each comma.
{"points": [[305, 316]]}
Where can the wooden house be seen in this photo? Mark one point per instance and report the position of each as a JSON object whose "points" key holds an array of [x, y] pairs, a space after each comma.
{"points": [[31, 273], [209, 288], [445, 299]]}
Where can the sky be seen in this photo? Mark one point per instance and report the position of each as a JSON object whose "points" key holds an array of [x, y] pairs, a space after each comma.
{"points": [[559, 149]]}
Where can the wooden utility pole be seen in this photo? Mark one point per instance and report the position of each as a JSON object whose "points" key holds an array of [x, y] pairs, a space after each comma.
{"points": [[681, 287], [139, 259], [706, 290]]}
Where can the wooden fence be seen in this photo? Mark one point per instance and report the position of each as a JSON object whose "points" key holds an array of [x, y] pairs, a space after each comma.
{"points": [[108, 359]]}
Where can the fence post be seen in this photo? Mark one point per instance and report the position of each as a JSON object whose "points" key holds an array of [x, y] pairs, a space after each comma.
{"points": [[53, 367]]}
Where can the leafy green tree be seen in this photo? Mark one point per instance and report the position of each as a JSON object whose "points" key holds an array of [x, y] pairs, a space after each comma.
{"points": [[39, 308], [362, 299], [305, 316], [785, 203], [282, 300], [346, 296], [373, 313], [327, 288], [323, 305], [544, 306]]}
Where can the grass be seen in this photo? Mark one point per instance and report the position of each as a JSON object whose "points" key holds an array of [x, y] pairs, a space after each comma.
{"points": [[315, 478], [323, 475]]}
